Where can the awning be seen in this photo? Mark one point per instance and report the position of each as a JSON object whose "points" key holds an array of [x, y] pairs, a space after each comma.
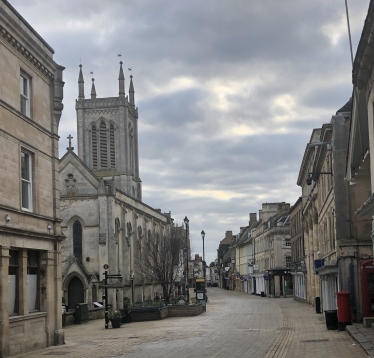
{"points": [[328, 270]]}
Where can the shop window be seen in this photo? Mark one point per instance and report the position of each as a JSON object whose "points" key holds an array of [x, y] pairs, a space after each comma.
{"points": [[33, 280], [13, 271]]}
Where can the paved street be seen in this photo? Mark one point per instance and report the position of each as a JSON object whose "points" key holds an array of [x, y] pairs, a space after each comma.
{"points": [[235, 325]]}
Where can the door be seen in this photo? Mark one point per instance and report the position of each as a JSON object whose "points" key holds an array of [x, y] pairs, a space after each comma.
{"points": [[75, 292], [367, 283]]}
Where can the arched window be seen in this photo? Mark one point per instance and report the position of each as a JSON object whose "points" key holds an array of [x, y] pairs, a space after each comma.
{"points": [[77, 240], [103, 146], [112, 147], [94, 147]]}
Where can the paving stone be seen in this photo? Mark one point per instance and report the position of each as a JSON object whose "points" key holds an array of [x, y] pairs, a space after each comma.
{"points": [[236, 325], [359, 337]]}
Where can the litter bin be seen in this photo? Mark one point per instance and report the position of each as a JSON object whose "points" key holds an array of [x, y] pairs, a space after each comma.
{"points": [[262, 294], [331, 319], [126, 315], [81, 313], [318, 304]]}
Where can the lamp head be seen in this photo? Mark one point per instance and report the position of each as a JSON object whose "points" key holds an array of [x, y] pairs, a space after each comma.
{"points": [[202, 234], [186, 221], [309, 180]]}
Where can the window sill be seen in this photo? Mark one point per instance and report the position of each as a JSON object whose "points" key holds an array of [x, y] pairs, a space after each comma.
{"points": [[32, 315]]}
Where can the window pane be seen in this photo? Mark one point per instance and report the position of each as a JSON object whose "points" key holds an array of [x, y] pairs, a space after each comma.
{"points": [[32, 289], [25, 195], [25, 166], [23, 105], [24, 86], [12, 286], [33, 258]]}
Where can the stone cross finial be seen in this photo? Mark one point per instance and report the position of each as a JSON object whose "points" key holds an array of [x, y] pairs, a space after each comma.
{"points": [[70, 148]]}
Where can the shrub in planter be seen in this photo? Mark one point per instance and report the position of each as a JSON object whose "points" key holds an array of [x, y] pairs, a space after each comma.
{"points": [[115, 318]]}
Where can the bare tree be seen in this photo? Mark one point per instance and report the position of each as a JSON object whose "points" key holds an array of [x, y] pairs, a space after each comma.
{"points": [[159, 258]]}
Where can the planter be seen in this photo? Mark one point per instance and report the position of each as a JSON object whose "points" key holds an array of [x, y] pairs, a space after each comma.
{"points": [[116, 322]]}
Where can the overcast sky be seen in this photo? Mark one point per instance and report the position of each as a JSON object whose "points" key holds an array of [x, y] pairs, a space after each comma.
{"points": [[228, 92]]}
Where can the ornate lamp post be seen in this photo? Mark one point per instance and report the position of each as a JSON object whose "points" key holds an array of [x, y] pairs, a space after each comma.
{"points": [[186, 221], [203, 237]]}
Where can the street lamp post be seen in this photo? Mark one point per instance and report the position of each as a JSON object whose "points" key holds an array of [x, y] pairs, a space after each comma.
{"points": [[186, 221], [203, 236]]}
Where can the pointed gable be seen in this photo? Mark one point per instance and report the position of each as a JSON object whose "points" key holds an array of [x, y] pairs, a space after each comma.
{"points": [[76, 178]]}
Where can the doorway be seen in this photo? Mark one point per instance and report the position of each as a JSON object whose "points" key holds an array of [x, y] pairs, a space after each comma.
{"points": [[75, 292]]}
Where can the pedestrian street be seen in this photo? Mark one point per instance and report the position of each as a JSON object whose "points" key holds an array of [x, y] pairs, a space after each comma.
{"points": [[236, 325]]}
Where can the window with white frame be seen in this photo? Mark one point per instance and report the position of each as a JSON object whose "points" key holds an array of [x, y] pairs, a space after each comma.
{"points": [[287, 242], [26, 179], [25, 94]]}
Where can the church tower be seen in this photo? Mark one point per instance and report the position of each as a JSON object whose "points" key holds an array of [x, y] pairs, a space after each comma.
{"points": [[108, 135]]}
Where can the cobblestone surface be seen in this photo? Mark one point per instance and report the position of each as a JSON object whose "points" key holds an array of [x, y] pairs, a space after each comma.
{"points": [[235, 325]]}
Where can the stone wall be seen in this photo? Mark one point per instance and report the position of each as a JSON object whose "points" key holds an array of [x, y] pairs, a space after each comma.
{"points": [[93, 313], [185, 311], [139, 315]]}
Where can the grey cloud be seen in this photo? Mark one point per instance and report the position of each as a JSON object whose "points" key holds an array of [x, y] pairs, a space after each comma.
{"points": [[271, 48]]}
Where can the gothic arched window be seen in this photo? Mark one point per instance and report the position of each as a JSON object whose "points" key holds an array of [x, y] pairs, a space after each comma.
{"points": [[77, 240], [94, 147], [103, 146]]}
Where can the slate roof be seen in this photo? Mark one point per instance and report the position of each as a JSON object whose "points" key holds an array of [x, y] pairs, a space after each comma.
{"points": [[346, 108]]}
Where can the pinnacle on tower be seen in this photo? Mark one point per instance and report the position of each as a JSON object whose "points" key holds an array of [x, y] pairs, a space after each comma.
{"points": [[80, 83], [121, 79], [131, 92], [93, 90]]}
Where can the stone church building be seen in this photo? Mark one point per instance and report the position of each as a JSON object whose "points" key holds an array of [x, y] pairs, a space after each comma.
{"points": [[104, 218]]}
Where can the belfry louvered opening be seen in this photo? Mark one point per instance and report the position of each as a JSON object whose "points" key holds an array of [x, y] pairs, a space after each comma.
{"points": [[103, 146], [103, 153], [94, 147], [112, 147]]}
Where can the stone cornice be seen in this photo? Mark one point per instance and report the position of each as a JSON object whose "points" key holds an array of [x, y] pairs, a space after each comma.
{"points": [[29, 234], [21, 212], [26, 53]]}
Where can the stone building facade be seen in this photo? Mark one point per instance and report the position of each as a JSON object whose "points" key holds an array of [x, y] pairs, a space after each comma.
{"points": [[104, 219], [299, 268], [31, 91], [272, 250], [335, 239], [360, 158]]}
